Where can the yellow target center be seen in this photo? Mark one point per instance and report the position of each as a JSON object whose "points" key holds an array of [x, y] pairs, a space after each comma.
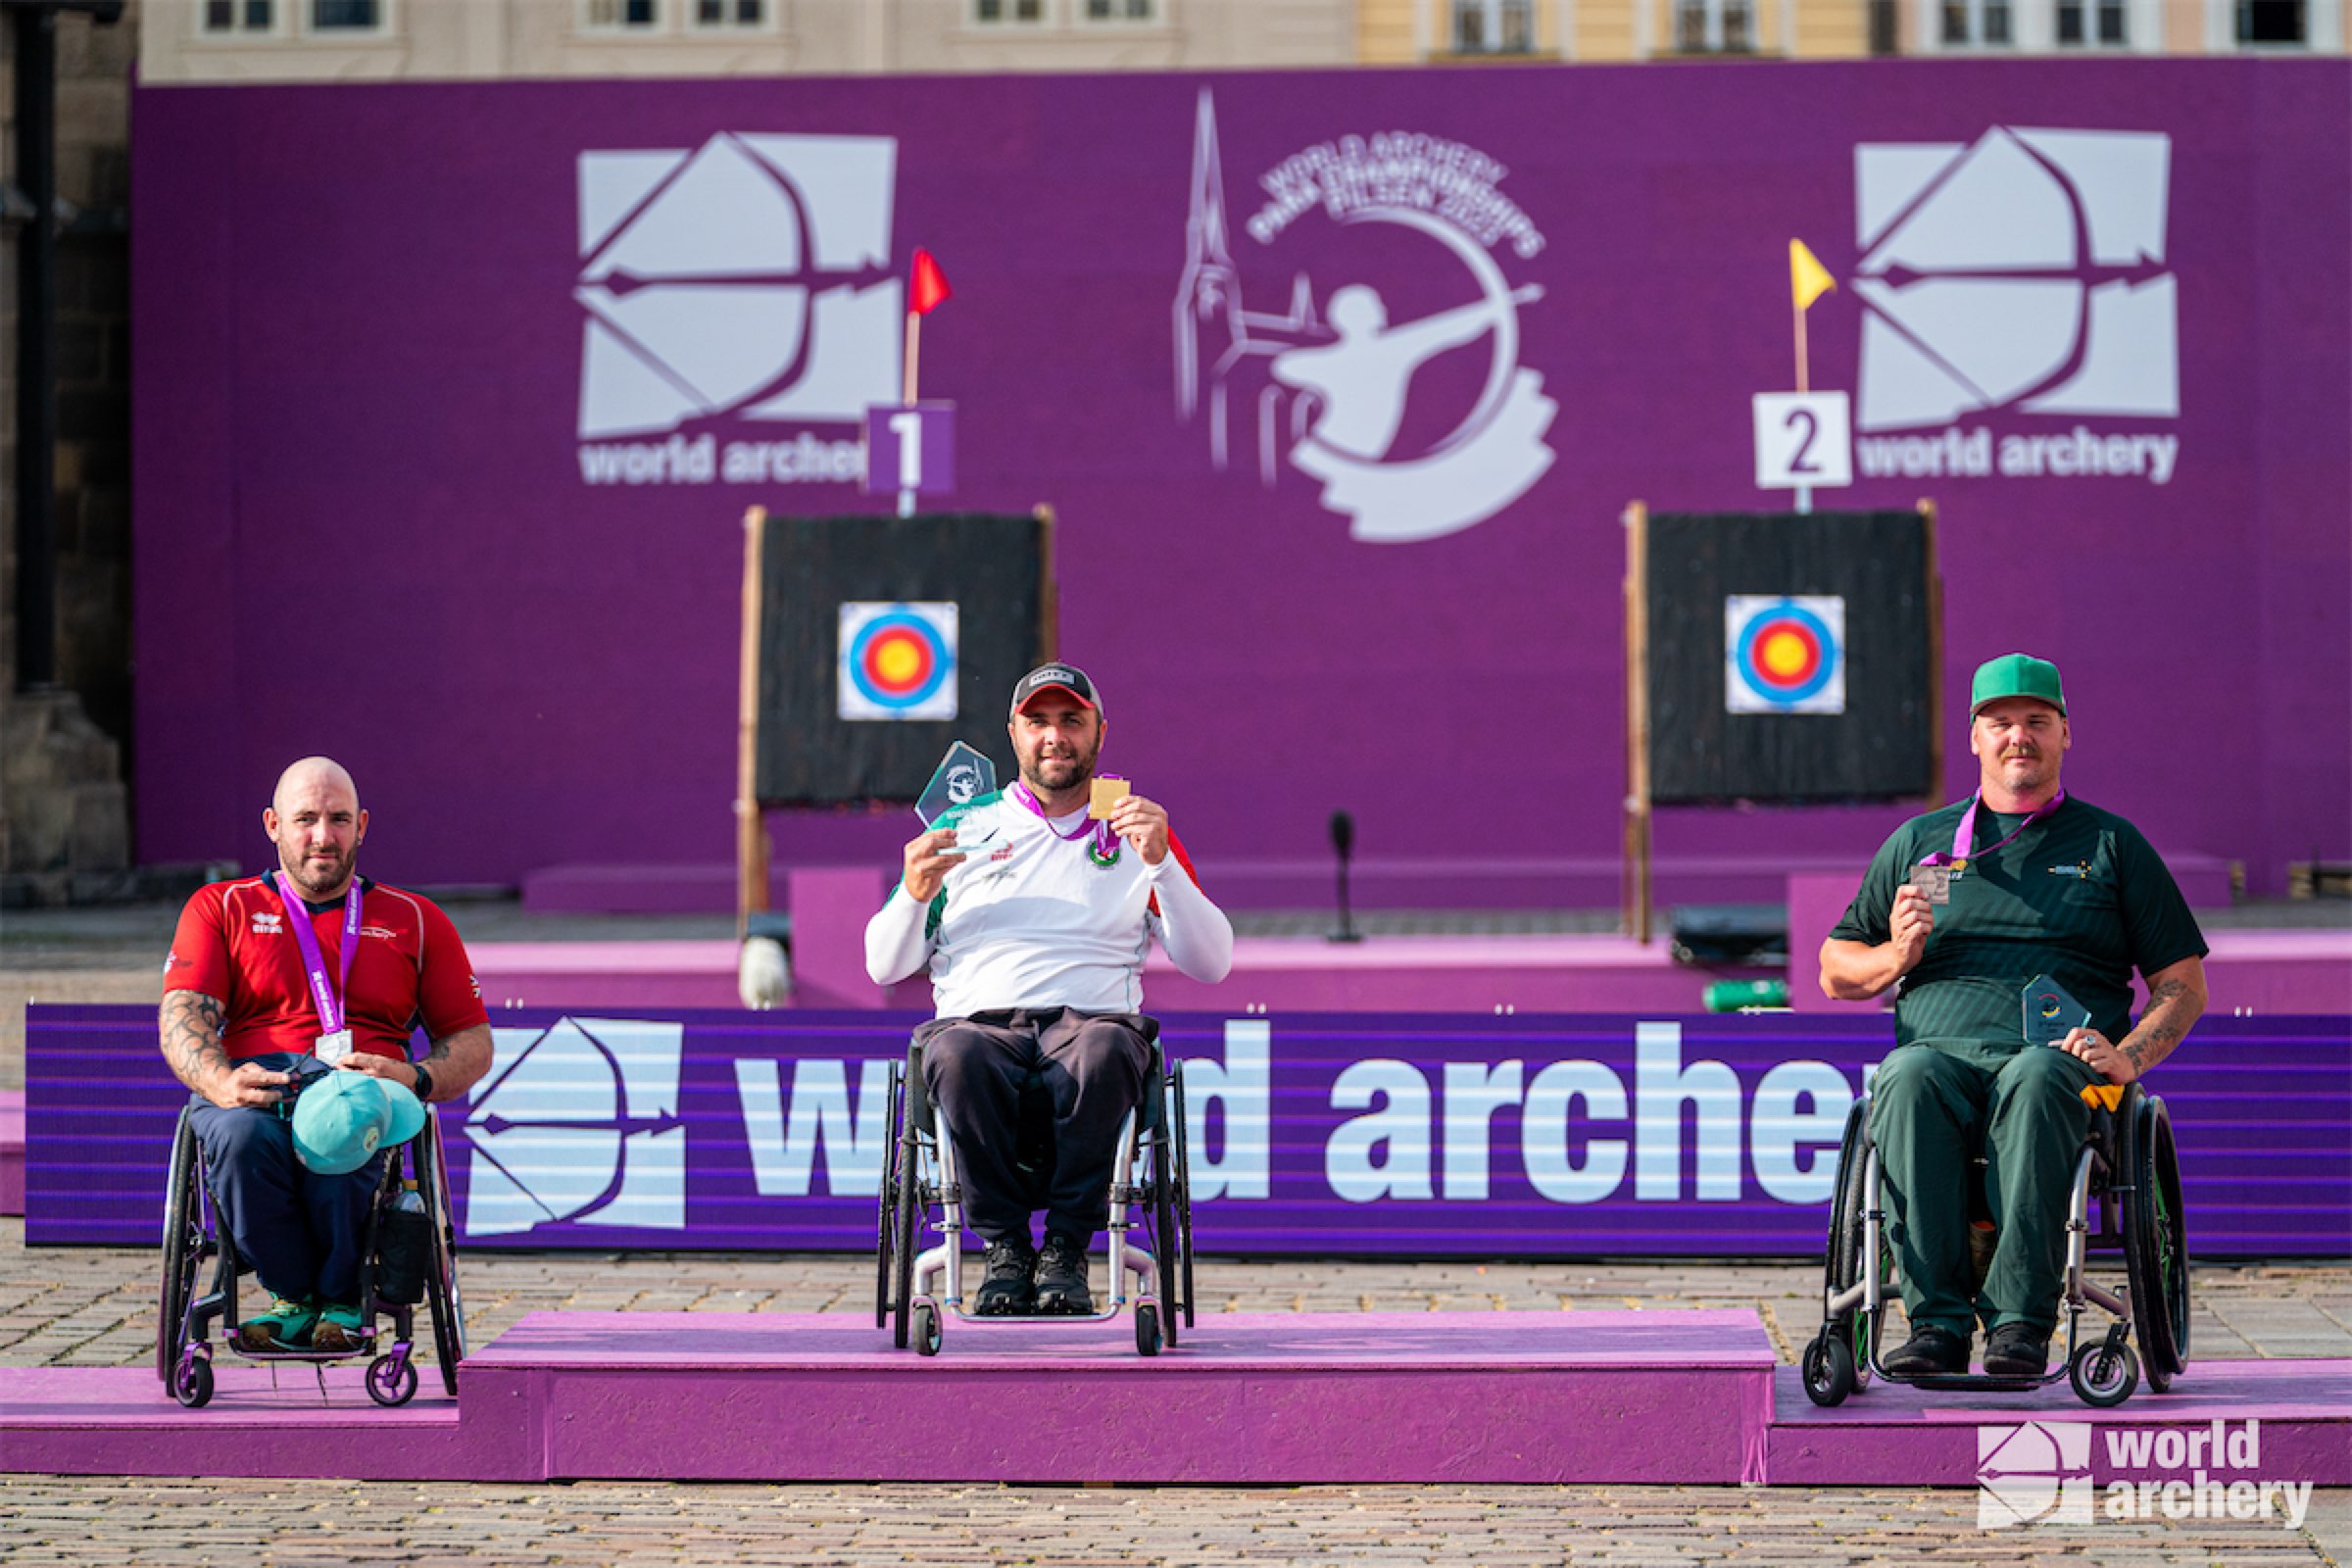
{"points": [[1783, 653], [896, 661]]}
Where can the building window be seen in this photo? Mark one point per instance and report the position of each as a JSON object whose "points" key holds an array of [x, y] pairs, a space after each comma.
{"points": [[2273, 21], [1493, 26], [1119, 10], [1713, 27], [730, 13], [606, 16], [1885, 30], [1977, 21], [2088, 21], [993, 13], [346, 15], [239, 16]]}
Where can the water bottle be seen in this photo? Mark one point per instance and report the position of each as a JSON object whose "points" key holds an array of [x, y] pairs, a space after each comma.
{"points": [[1731, 996], [405, 1250]]}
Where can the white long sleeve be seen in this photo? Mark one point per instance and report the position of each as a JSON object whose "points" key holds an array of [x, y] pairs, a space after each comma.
{"points": [[895, 944], [1196, 933]]}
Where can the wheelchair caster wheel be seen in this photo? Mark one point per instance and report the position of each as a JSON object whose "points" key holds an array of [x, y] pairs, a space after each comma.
{"points": [[1147, 1329], [926, 1329], [193, 1386], [391, 1380], [1829, 1369], [2103, 1374]]}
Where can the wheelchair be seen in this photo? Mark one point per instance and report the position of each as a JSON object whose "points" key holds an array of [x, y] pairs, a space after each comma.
{"points": [[2128, 1170], [194, 1230], [916, 1288]]}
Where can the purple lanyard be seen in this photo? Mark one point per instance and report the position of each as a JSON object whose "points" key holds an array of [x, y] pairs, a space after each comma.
{"points": [[329, 997], [1101, 830], [1964, 836]]}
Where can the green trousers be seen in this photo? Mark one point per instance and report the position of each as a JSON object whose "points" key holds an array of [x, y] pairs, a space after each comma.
{"points": [[1932, 1108]]}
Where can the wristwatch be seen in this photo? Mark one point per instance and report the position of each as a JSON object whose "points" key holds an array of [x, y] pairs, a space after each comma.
{"points": [[425, 1081]]}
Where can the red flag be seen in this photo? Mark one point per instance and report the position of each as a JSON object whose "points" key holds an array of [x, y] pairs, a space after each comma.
{"points": [[930, 287]]}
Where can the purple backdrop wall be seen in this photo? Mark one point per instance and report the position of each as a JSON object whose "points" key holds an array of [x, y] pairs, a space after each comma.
{"points": [[388, 334], [1311, 1133]]}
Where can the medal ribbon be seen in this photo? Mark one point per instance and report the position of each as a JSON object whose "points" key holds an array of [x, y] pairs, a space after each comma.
{"points": [[326, 995], [1101, 830], [1964, 835]]}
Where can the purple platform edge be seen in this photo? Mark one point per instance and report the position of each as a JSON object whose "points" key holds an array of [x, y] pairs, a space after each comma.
{"points": [[11, 1151], [1690, 1397]]}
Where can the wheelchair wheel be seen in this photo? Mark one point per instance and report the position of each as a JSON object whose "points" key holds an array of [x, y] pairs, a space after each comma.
{"points": [[908, 1220], [183, 1258], [391, 1380], [1167, 1243], [443, 1301], [1842, 1261], [926, 1329], [2103, 1374], [195, 1389], [1147, 1329], [1184, 1195], [887, 1209], [2156, 1246], [1829, 1368]]}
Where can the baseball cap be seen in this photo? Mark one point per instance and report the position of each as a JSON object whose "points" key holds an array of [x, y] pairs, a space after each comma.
{"points": [[342, 1118], [2016, 675], [1048, 677]]}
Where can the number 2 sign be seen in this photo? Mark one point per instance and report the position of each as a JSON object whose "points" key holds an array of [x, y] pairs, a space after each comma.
{"points": [[1804, 440]]}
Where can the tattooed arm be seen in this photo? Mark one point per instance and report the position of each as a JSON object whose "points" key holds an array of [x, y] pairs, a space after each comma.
{"points": [[190, 1027], [2175, 1001]]}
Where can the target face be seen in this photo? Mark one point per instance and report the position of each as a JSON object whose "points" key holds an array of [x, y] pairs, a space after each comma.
{"points": [[1783, 655], [898, 660]]}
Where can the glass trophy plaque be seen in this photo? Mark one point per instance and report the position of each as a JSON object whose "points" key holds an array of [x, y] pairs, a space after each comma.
{"points": [[963, 775], [2051, 1013]]}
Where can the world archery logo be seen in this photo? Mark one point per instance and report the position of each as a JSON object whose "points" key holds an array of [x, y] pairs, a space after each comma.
{"points": [[750, 277], [2024, 271], [2036, 1473], [578, 1123], [1783, 655], [896, 661], [1335, 389]]}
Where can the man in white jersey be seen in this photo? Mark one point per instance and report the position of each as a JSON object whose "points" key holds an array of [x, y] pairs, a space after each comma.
{"points": [[1034, 919]]}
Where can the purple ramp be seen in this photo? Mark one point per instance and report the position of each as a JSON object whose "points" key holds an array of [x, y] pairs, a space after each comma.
{"points": [[1892, 1435], [1246, 1398]]}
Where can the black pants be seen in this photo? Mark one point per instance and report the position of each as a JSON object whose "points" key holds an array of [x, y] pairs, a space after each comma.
{"points": [[1090, 1065]]}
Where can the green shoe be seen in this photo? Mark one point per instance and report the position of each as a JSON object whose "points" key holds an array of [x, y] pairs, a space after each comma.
{"points": [[286, 1326], [339, 1329]]}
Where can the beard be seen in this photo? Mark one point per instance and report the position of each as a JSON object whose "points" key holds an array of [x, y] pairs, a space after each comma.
{"points": [[317, 880], [1052, 775]]}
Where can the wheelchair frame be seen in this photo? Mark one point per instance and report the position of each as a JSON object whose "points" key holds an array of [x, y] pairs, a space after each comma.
{"points": [[2129, 1165], [194, 1230], [1151, 1170]]}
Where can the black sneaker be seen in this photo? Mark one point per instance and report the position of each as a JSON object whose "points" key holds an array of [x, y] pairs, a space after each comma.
{"points": [[1007, 1291], [1927, 1351], [2016, 1351], [1061, 1277]]}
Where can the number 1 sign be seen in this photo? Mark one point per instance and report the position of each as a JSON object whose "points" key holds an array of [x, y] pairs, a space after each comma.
{"points": [[1804, 440], [910, 449]]}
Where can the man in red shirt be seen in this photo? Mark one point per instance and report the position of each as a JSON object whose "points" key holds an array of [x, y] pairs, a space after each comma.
{"points": [[310, 961]]}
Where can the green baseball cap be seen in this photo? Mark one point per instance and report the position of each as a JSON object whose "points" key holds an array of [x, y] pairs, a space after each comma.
{"points": [[2016, 675]]}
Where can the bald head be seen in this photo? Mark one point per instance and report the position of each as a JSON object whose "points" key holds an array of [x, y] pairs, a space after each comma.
{"points": [[316, 821]]}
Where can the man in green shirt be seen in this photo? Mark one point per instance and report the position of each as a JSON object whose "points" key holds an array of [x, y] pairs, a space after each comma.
{"points": [[2038, 883]]}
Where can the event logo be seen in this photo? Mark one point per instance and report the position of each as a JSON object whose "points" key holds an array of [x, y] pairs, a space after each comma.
{"points": [[896, 661], [1331, 390], [1783, 655], [749, 278], [2024, 272], [2036, 1473], [579, 1122]]}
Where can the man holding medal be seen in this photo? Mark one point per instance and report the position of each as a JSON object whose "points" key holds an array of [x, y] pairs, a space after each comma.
{"points": [[1964, 906], [1033, 908], [310, 961]]}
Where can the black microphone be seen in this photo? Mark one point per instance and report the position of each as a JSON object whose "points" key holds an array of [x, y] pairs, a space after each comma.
{"points": [[1343, 844]]}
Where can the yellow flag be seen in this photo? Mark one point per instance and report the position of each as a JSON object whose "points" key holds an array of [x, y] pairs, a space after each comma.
{"points": [[1808, 280]]}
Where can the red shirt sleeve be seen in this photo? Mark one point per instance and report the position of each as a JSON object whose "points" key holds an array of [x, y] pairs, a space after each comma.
{"points": [[199, 956], [1176, 848], [448, 995]]}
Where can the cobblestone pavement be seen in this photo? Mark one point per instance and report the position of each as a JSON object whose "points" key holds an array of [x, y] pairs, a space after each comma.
{"points": [[94, 1306]]}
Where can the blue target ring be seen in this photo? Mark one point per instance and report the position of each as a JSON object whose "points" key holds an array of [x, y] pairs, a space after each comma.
{"points": [[1791, 617], [934, 661]]}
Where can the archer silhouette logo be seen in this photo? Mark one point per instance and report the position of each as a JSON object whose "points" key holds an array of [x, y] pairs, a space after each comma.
{"points": [[1332, 390], [2038, 1473], [2024, 271], [749, 278], [578, 1123]]}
